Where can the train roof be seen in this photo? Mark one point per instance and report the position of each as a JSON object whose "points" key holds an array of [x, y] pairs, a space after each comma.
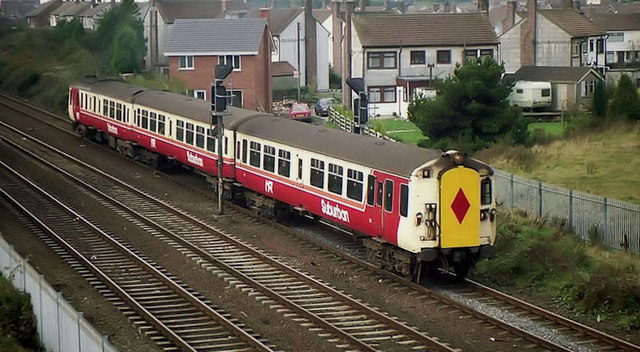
{"points": [[396, 158]]}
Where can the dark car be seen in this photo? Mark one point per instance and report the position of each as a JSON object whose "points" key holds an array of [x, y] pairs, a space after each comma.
{"points": [[322, 106]]}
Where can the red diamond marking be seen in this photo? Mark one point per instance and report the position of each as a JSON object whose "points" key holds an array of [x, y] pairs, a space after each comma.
{"points": [[460, 205]]}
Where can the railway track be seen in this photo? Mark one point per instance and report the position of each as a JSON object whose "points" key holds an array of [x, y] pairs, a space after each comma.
{"points": [[588, 338], [182, 319]]}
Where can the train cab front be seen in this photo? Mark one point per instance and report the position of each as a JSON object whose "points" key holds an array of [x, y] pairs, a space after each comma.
{"points": [[461, 221]]}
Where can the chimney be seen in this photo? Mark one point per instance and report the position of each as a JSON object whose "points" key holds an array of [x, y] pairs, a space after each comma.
{"points": [[224, 7], [310, 46], [510, 21], [346, 68], [264, 13], [400, 6], [528, 35], [483, 6], [336, 26], [362, 5]]}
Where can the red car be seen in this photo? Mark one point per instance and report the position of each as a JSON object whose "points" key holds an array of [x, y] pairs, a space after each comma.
{"points": [[300, 112]]}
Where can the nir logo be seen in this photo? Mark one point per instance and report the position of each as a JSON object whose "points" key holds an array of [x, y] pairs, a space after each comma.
{"points": [[112, 129]]}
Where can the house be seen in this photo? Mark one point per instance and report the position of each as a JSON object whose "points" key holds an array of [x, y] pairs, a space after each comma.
{"points": [[288, 31], [193, 53], [92, 15], [623, 44], [17, 9], [556, 37], [39, 17], [67, 11], [571, 87], [401, 55]]}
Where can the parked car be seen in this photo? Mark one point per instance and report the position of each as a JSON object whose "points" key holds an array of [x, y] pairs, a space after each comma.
{"points": [[300, 112], [322, 106]]}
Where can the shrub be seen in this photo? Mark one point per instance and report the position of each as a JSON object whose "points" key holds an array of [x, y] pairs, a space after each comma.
{"points": [[17, 322]]}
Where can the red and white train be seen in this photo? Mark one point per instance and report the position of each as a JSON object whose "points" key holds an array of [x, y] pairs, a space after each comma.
{"points": [[414, 205]]}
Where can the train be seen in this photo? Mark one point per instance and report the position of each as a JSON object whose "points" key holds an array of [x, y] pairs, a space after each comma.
{"points": [[413, 208]]}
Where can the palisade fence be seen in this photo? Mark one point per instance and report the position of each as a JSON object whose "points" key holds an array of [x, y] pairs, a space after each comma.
{"points": [[346, 124], [60, 327], [614, 223]]}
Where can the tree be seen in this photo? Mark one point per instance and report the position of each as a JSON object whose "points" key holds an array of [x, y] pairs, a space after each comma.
{"points": [[599, 100], [470, 109], [625, 102], [118, 23]]}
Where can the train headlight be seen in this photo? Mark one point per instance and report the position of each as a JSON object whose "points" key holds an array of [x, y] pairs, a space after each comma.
{"points": [[418, 219], [458, 158]]}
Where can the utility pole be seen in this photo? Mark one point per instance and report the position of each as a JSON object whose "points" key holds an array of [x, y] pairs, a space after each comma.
{"points": [[299, 70]]}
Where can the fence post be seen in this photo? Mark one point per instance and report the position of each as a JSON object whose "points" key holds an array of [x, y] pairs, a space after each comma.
{"points": [[540, 197], [604, 233], [512, 204], [571, 209]]}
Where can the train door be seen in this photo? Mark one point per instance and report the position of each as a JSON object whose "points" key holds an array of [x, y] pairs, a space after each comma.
{"points": [[460, 208], [389, 219], [74, 104], [374, 208]]}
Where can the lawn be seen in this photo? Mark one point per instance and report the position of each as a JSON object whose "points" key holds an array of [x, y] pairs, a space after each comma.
{"points": [[399, 129], [554, 128]]}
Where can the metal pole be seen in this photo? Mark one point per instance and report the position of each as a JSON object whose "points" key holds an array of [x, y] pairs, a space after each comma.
{"points": [[299, 70], [220, 156]]}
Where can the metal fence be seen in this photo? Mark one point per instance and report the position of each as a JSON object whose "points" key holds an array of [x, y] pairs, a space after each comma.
{"points": [[60, 327], [614, 223]]}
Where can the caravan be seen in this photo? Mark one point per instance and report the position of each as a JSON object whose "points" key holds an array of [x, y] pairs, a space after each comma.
{"points": [[531, 95]]}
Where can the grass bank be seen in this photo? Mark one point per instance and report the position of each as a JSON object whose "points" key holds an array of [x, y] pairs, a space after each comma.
{"points": [[541, 257]]}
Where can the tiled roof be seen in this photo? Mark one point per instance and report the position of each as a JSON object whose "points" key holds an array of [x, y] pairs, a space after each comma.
{"points": [[62, 8], [279, 19], [90, 12], [281, 68], [553, 74], [572, 22], [321, 15], [170, 10], [382, 30], [619, 22], [43, 8], [215, 37]]}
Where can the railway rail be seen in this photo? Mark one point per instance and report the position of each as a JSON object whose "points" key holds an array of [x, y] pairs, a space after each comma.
{"points": [[582, 335]]}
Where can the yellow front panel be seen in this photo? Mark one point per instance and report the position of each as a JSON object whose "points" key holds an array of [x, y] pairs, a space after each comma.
{"points": [[460, 208]]}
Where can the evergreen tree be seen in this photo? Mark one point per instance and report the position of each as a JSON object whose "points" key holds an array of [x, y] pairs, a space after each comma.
{"points": [[599, 100], [112, 28], [470, 110], [625, 102]]}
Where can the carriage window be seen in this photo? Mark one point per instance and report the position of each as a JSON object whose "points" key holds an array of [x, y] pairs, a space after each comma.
{"points": [[284, 163], [226, 145], [189, 139], [112, 109], [119, 112], [145, 119], [335, 179], [371, 190], [238, 150], [126, 116], [379, 196], [244, 151], [388, 195], [180, 130], [485, 191], [404, 200], [161, 124], [95, 104], [105, 107], [317, 173], [153, 121], [354, 184], [211, 141], [200, 137], [269, 162], [254, 154]]}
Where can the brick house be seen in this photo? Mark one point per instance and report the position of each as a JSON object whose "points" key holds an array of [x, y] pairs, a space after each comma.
{"points": [[195, 46]]}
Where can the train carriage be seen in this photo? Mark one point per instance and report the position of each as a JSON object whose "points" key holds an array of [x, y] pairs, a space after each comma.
{"points": [[412, 205]]}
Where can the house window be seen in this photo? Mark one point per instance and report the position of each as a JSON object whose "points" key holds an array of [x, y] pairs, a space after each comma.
{"points": [[186, 63], [584, 47], [486, 53], [231, 60], [236, 98], [616, 37], [588, 87], [200, 94], [381, 60], [470, 54], [575, 49], [600, 46], [443, 56], [382, 94], [418, 57], [591, 42]]}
